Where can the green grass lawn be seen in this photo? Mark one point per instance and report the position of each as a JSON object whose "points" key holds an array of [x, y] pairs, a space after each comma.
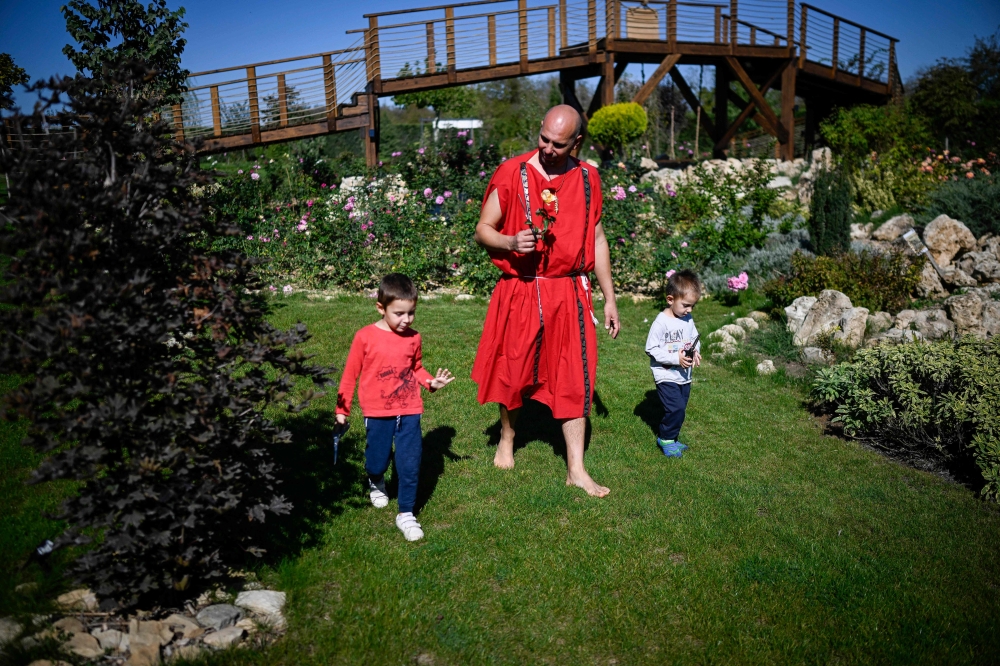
{"points": [[767, 542]]}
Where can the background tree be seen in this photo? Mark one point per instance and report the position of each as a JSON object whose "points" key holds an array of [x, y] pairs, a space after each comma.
{"points": [[10, 75], [115, 32], [147, 364], [457, 101]]}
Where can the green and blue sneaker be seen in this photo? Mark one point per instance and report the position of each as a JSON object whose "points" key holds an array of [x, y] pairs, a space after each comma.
{"points": [[670, 448]]}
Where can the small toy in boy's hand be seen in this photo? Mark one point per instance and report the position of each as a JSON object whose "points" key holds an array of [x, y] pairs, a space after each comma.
{"points": [[338, 432], [694, 347]]}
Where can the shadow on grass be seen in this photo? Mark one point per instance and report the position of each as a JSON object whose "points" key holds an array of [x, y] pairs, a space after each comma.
{"points": [[437, 447], [650, 411], [535, 422]]}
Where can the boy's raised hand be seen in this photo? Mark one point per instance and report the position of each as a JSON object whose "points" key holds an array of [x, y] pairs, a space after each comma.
{"points": [[443, 378], [341, 419]]}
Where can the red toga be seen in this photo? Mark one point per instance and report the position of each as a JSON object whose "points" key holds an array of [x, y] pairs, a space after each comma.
{"points": [[539, 340]]}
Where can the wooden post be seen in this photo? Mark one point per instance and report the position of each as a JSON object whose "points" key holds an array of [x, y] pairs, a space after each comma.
{"points": [[861, 57], [522, 33], [802, 39], [491, 35], [890, 75], [753, 36], [791, 28], [330, 86], [282, 102], [563, 39], [431, 53], [672, 26], [371, 131], [373, 54], [592, 28], [734, 33], [449, 41], [552, 32], [608, 80], [610, 23], [216, 112], [254, 104], [718, 25], [178, 114], [788, 109], [721, 106], [836, 47]]}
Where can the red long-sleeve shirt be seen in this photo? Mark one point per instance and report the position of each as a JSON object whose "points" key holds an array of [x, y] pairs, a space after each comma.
{"points": [[391, 373]]}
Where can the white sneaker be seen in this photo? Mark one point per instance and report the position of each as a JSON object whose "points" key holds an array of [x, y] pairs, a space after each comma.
{"points": [[409, 526], [376, 491]]}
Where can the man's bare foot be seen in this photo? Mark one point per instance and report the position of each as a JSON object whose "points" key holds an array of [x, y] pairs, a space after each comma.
{"points": [[504, 458], [583, 480]]}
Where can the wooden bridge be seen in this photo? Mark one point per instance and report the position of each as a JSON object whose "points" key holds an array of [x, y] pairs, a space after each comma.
{"points": [[796, 48]]}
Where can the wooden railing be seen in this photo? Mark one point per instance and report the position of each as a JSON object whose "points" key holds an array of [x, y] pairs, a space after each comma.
{"points": [[845, 47]]}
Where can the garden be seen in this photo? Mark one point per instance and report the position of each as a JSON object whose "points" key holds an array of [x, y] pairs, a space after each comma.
{"points": [[173, 324]]}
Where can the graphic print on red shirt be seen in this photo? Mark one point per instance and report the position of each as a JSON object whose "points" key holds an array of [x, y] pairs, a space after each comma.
{"points": [[390, 370]]}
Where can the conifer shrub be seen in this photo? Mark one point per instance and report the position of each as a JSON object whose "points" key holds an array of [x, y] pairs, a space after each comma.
{"points": [[830, 213], [927, 400], [147, 363]]}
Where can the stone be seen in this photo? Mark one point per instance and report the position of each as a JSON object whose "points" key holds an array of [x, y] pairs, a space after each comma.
{"points": [[990, 244], [893, 228], [149, 633], [946, 237], [85, 646], [956, 277], [899, 336], [112, 639], [779, 183], [267, 604], [224, 638], [219, 616], [878, 322], [250, 626], [814, 355], [720, 349], [78, 600], [904, 318], [747, 324], [797, 311], [758, 316], [823, 156], [876, 214], [987, 269], [733, 330], [934, 324], [465, 297], [144, 655], [930, 283], [648, 165], [183, 625], [861, 231], [189, 652], [852, 327], [69, 625], [991, 317], [823, 316], [723, 337], [966, 310], [46, 662], [352, 183], [766, 367], [9, 630]]}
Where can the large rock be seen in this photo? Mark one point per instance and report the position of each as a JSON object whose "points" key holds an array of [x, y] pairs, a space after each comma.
{"points": [[852, 327], [758, 316], [85, 645], [815, 355], [934, 324], [983, 266], [991, 317], [930, 283], [747, 324], [780, 183], [722, 337], [861, 231], [955, 277], [766, 367], [797, 311], [966, 310], [69, 625], [144, 655], [991, 244], [149, 633], [878, 322], [183, 625], [648, 165], [112, 639], [219, 616], [9, 630], [737, 332], [78, 600], [224, 637], [262, 602], [824, 316], [946, 237], [893, 228]]}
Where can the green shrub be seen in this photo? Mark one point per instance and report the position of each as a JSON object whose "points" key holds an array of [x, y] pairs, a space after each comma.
{"points": [[974, 201], [873, 280], [618, 125], [830, 213], [940, 400]]}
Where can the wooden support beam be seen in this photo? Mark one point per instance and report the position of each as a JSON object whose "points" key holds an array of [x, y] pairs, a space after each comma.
{"points": [[330, 88], [491, 38], [282, 102], [563, 43], [788, 76], [722, 94], [373, 54], [752, 109], [772, 124], [552, 32], [604, 95], [567, 87], [522, 32], [835, 58], [216, 113], [431, 51], [254, 104], [692, 99], [449, 41], [718, 25], [178, 116], [369, 133], [654, 79], [610, 23]]}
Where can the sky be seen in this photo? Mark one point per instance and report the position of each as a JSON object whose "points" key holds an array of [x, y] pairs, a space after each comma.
{"points": [[224, 32]]}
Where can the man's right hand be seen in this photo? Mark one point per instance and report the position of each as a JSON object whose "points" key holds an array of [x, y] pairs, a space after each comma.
{"points": [[524, 242]]}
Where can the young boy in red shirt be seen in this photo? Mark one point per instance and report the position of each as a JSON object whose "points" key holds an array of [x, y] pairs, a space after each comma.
{"points": [[386, 355]]}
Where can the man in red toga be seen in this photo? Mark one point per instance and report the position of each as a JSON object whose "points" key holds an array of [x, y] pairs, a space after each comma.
{"points": [[541, 224]]}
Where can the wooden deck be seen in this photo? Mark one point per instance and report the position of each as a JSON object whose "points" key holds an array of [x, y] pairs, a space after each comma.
{"points": [[761, 44]]}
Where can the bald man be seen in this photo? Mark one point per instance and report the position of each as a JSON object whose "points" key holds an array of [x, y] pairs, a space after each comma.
{"points": [[541, 224]]}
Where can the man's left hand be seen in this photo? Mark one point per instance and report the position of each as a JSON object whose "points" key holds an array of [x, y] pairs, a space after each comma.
{"points": [[611, 322]]}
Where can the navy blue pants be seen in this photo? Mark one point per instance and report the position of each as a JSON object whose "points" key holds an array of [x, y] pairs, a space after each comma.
{"points": [[405, 431], [674, 398]]}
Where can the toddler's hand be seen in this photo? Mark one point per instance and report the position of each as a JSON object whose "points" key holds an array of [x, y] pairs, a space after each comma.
{"points": [[685, 361], [443, 378], [697, 359], [341, 419]]}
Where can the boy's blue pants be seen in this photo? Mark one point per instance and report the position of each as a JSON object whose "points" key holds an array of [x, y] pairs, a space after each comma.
{"points": [[674, 398], [405, 431]]}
